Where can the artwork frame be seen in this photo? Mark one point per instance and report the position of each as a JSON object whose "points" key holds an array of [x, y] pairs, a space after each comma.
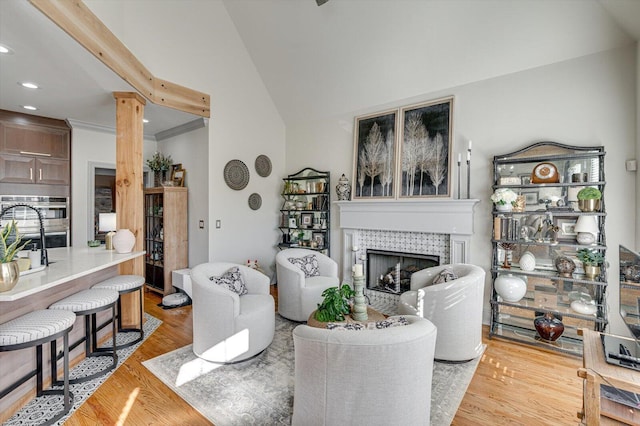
{"points": [[177, 176], [306, 220], [530, 199], [566, 228], [425, 149], [318, 237], [375, 143]]}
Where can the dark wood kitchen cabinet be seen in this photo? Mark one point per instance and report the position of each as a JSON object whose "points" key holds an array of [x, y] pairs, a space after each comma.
{"points": [[34, 150]]}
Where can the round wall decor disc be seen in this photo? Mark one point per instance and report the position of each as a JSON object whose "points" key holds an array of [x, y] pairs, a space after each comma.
{"points": [[263, 165], [255, 201], [236, 174]]}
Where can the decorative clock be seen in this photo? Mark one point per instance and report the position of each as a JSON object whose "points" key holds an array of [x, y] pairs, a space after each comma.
{"points": [[545, 173]]}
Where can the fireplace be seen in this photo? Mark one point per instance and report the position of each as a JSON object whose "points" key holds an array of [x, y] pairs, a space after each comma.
{"points": [[439, 227], [390, 271]]}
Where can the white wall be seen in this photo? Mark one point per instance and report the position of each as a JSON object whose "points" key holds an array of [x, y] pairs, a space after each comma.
{"points": [[585, 101], [97, 147], [190, 149], [207, 54]]}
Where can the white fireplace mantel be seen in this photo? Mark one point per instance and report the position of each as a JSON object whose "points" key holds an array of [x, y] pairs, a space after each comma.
{"points": [[438, 216]]}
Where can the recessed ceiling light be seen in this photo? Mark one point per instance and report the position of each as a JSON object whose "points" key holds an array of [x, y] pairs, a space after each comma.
{"points": [[144, 120], [5, 49], [29, 107], [28, 85]]}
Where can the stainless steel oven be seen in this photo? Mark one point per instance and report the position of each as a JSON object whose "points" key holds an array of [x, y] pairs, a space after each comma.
{"points": [[54, 212]]}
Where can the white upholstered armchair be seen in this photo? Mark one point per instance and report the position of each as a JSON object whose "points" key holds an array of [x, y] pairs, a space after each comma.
{"points": [[454, 307], [367, 377], [228, 327], [299, 295]]}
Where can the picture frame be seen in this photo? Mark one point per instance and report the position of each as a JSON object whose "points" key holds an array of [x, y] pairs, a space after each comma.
{"points": [[177, 176], [425, 149], [374, 155], [292, 222], [318, 237], [566, 228], [530, 198], [306, 220], [525, 179]]}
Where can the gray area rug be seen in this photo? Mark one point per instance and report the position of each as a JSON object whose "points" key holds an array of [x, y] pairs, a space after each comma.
{"points": [[45, 407], [259, 391]]}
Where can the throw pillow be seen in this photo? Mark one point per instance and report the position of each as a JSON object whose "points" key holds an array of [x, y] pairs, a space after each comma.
{"points": [[231, 280], [444, 276], [308, 264], [385, 323]]}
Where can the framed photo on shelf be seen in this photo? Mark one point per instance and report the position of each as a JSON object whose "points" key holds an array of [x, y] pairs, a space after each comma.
{"points": [[525, 179], [318, 237], [425, 149], [530, 198], [292, 222], [177, 176], [374, 153], [566, 228], [306, 220]]}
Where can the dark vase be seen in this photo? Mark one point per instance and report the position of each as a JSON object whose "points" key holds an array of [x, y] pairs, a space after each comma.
{"points": [[548, 327]]}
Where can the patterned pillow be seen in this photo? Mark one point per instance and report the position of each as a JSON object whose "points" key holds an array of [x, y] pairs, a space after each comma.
{"points": [[444, 276], [385, 323], [231, 280], [308, 264]]}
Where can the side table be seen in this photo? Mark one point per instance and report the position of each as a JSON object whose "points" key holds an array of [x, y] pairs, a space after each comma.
{"points": [[597, 371], [373, 315]]}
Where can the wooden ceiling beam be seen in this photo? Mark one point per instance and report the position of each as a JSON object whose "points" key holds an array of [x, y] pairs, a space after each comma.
{"points": [[77, 20]]}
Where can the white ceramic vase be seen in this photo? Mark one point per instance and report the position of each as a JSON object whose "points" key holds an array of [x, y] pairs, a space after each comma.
{"points": [[510, 287], [527, 261], [123, 241], [504, 207]]}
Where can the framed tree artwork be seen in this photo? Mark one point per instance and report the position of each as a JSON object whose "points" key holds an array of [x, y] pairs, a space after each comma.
{"points": [[425, 149], [374, 170]]}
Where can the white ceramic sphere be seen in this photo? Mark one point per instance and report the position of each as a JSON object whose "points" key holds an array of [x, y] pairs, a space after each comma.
{"points": [[510, 287], [123, 241], [582, 307], [527, 261], [585, 238]]}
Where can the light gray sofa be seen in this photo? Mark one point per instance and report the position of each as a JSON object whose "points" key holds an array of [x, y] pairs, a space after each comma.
{"points": [[455, 307], [366, 377], [228, 327], [299, 296]]}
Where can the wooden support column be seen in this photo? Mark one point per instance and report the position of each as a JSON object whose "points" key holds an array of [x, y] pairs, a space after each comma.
{"points": [[129, 189]]}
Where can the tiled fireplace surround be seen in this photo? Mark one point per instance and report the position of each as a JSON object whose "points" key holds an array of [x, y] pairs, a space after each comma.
{"points": [[438, 227]]}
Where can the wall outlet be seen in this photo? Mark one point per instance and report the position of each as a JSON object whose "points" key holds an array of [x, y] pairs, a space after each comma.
{"points": [[218, 224], [631, 165], [201, 224]]}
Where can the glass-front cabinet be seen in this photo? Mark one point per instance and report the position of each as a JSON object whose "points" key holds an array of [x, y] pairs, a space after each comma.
{"points": [[304, 215], [549, 245]]}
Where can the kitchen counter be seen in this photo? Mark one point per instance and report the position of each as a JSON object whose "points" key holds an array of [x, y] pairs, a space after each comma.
{"points": [[66, 264]]}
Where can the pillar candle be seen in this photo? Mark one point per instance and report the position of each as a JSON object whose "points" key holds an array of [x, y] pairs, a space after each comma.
{"points": [[469, 144], [357, 270]]}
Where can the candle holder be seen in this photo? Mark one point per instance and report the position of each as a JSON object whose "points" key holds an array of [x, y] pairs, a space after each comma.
{"points": [[359, 306], [459, 167], [469, 173]]}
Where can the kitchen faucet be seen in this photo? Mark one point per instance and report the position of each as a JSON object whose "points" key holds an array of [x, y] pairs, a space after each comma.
{"points": [[44, 257]]}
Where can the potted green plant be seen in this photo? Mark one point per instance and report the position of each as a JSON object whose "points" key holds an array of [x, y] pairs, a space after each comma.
{"points": [[10, 244], [592, 260], [589, 199], [159, 164], [335, 304]]}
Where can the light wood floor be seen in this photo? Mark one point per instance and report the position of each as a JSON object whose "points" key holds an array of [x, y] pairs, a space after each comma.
{"points": [[513, 385]]}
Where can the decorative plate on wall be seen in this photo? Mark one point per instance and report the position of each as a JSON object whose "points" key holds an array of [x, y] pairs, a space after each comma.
{"points": [[255, 201], [236, 174], [263, 165]]}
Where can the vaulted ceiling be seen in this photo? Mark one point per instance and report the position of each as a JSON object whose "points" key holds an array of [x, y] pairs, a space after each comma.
{"points": [[345, 55]]}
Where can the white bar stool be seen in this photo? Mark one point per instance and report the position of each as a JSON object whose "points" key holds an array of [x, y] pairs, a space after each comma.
{"points": [[124, 284], [89, 303], [35, 329]]}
